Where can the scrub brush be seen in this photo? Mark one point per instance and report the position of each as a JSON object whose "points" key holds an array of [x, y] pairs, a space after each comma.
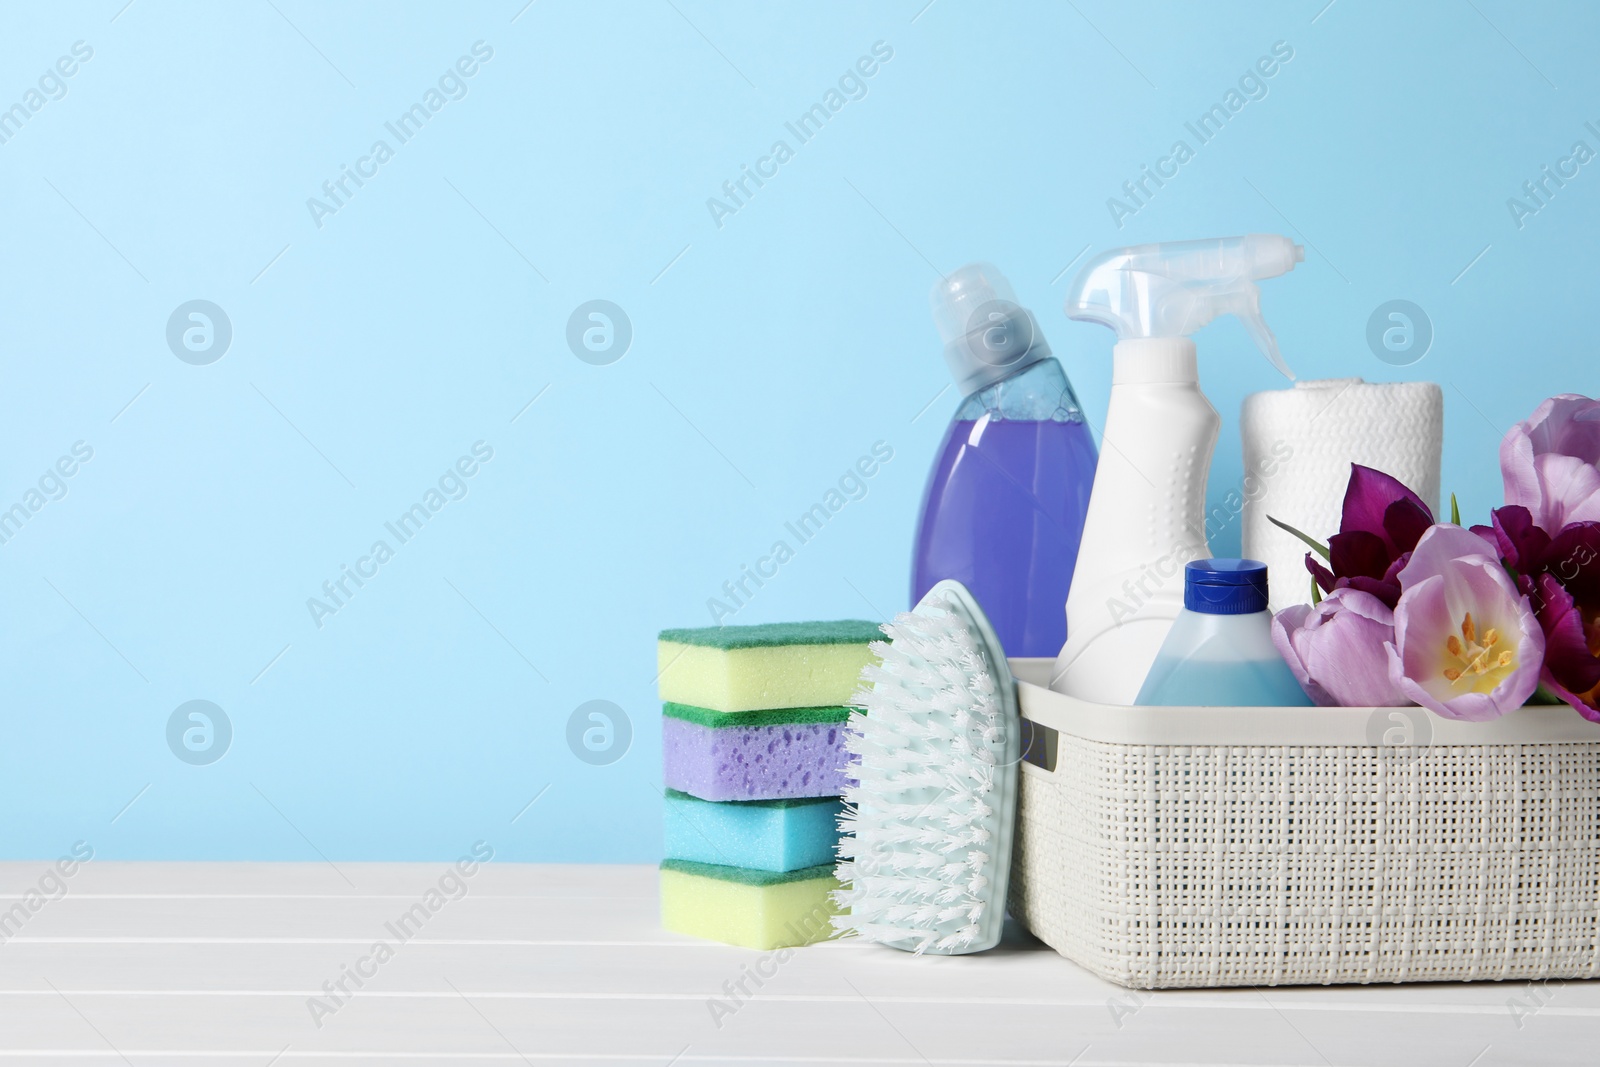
{"points": [[926, 851]]}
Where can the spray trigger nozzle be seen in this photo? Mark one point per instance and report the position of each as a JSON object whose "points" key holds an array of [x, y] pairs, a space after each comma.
{"points": [[1174, 288]]}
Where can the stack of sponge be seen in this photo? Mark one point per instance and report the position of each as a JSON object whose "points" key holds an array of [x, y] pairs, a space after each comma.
{"points": [[753, 761]]}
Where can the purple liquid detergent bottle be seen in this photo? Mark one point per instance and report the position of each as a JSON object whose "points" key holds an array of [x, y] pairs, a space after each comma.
{"points": [[1005, 502]]}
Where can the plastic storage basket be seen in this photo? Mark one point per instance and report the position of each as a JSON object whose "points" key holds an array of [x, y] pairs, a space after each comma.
{"points": [[1165, 847]]}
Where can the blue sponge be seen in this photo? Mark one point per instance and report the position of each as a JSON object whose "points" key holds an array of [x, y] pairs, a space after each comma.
{"points": [[765, 835]]}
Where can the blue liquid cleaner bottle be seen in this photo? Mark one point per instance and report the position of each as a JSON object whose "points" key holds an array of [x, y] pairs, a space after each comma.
{"points": [[1004, 507], [1219, 652]]}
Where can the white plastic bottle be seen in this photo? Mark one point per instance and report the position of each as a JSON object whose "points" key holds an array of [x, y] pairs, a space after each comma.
{"points": [[1146, 517]]}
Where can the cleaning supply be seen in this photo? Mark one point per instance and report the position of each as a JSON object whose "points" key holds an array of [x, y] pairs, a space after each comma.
{"points": [[766, 835], [1219, 652], [1147, 511], [771, 754], [1004, 505], [1299, 444], [754, 909], [771, 665], [753, 759], [928, 830]]}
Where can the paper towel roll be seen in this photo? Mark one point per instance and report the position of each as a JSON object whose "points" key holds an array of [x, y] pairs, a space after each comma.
{"points": [[1299, 444]]}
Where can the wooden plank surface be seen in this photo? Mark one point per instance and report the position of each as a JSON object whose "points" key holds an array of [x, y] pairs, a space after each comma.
{"points": [[155, 964]]}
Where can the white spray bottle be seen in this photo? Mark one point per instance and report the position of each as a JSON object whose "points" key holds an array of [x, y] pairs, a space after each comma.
{"points": [[1147, 509]]}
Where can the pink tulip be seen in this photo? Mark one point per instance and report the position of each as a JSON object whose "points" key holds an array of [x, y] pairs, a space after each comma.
{"points": [[1551, 463], [1337, 649], [1466, 644]]}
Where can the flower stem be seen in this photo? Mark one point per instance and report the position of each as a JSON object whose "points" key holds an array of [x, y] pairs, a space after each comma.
{"points": [[1319, 549]]}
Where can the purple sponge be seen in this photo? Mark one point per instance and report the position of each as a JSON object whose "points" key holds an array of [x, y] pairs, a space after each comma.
{"points": [[753, 757]]}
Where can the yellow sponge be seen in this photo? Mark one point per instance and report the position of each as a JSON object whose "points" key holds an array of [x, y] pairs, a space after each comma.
{"points": [[755, 909], [773, 665]]}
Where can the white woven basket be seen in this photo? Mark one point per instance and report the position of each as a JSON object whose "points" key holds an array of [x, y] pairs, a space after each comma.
{"points": [[1164, 847]]}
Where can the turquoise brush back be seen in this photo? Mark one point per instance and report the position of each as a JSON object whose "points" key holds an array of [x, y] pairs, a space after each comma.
{"points": [[926, 851]]}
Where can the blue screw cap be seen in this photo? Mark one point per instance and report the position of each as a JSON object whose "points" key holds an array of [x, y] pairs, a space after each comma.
{"points": [[1225, 586]]}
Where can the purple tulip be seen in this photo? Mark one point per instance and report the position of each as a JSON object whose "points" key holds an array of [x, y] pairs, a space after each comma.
{"points": [[1466, 642], [1561, 575], [1572, 639], [1380, 525], [1551, 463], [1337, 649], [1518, 540]]}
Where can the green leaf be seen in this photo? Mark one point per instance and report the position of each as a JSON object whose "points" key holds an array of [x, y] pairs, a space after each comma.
{"points": [[1319, 549], [1455, 510], [1316, 593]]}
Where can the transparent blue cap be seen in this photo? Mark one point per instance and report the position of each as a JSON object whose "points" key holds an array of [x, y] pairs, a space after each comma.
{"points": [[987, 335], [1225, 586]]}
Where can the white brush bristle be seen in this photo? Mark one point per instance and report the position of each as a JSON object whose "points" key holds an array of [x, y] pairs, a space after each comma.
{"points": [[913, 859]]}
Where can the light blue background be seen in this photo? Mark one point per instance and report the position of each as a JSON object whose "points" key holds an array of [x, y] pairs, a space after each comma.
{"points": [[768, 354]]}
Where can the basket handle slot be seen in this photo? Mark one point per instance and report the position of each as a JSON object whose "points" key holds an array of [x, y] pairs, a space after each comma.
{"points": [[1040, 744]]}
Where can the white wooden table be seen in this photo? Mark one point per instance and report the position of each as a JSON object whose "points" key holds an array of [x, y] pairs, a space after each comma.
{"points": [[216, 963]]}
